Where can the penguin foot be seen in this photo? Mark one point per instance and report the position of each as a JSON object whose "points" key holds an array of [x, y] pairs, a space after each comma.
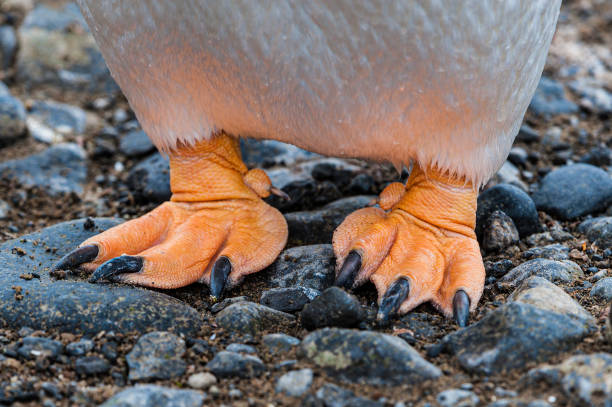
{"points": [[216, 229], [418, 246]]}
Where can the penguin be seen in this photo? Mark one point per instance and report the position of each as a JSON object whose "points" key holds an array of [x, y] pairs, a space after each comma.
{"points": [[437, 85]]}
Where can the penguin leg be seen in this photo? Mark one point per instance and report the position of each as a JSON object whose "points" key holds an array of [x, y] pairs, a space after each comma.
{"points": [[216, 228], [418, 246]]}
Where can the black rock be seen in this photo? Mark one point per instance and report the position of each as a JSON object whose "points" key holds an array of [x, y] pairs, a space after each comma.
{"points": [[280, 343], [313, 227], [8, 46], [136, 143], [422, 325], [513, 335], [598, 230], [499, 232], [288, 299], [91, 365], [109, 350], [573, 191], [513, 202], [155, 396], [361, 184], [554, 271], [33, 347], [598, 156], [527, 135], [249, 319], [58, 169], [366, 357], [334, 307], [150, 179], [12, 119], [157, 355], [549, 99], [74, 305], [266, 153], [305, 194], [499, 268], [231, 364], [79, 348]]}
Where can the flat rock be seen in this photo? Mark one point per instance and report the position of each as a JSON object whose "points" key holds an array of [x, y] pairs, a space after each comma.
{"points": [[12, 119], [249, 318], [584, 379], [334, 307], [551, 252], [33, 347], [91, 366], [310, 266], [61, 169], [367, 357], [549, 99], [231, 364], [157, 355], [513, 202], [74, 305], [512, 335], [598, 230], [334, 396], [602, 289], [155, 396], [136, 143], [573, 191], [295, 383], [288, 299], [150, 179], [564, 271], [80, 348], [457, 398], [280, 343]]}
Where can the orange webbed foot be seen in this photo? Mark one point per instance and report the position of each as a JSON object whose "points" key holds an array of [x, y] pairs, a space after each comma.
{"points": [[418, 246], [216, 229]]}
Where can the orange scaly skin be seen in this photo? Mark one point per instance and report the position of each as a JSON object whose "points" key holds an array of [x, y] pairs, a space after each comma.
{"points": [[216, 210], [423, 233]]}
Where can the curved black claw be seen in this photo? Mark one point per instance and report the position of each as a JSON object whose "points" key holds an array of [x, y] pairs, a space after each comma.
{"points": [[393, 299], [118, 265], [77, 257], [461, 308], [218, 277], [349, 270]]}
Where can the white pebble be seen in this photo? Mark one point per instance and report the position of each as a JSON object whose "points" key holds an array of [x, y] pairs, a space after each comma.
{"points": [[201, 380]]}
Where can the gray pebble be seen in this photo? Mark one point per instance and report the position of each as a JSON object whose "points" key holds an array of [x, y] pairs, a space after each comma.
{"points": [[295, 383], [91, 365], [156, 355], [231, 364], [602, 289]]}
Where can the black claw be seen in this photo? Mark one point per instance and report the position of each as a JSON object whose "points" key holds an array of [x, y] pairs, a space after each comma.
{"points": [[218, 277], [349, 270], [118, 265], [461, 308], [393, 299], [77, 257]]}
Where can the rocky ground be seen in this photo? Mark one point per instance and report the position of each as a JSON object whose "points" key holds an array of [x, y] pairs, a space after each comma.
{"points": [[74, 161]]}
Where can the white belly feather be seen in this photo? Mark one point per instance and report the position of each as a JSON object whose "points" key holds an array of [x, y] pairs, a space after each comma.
{"points": [[444, 82]]}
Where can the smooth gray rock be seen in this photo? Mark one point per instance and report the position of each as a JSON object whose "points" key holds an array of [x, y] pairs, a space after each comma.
{"points": [[334, 307], [598, 230], [280, 343], [457, 398], [367, 357], [150, 179], [240, 348], [564, 271], [584, 379], [74, 305], [12, 119], [554, 251], [295, 383], [306, 266], [231, 364], [155, 396], [288, 299], [512, 335], [91, 366], [79, 348], [59, 116], [249, 318], [157, 355], [136, 143], [61, 169], [598, 156], [602, 289], [8, 46], [334, 396], [549, 99], [33, 347], [573, 191], [593, 96]]}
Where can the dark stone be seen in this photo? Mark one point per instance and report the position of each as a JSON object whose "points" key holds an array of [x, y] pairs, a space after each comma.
{"points": [[155, 396], [423, 326], [109, 350], [306, 266], [361, 184], [513, 202], [249, 318], [8, 46], [150, 179], [518, 156], [554, 271], [74, 305], [499, 268], [499, 233], [157, 355], [334, 307], [80, 348], [136, 143], [573, 191], [33, 347], [91, 365], [598, 156], [513, 335], [366, 357], [240, 348], [351, 203], [12, 119], [552, 252], [549, 99], [305, 194], [280, 343], [598, 230], [331, 395], [226, 302], [603, 289], [231, 364], [527, 135], [288, 299], [313, 227], [58, 169], [60, 116], [338, 175], [266, 153]]}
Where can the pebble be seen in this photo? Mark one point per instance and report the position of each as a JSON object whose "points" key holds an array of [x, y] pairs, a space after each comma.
{"points": [[573, 191], [593, 96], [288, 299], [513, 202], [366, 357], [149, 180], [43, 133], [512, 335], [598, 230], [60, 117], [602, 289], [608, 328], [457, 398], [598, 156], [549, 99], [268, 153], [91, 365], [61, 169], [295, 383], [240, 348], [509, 174], [231, 364], [527, 135], [498, 268], [280, 343], [8, 46], [249, 319], [564, 271], [5, 208], [219, 306], [334, 396], [423, 326], [584, 379], [33, 347], [334, 307], [201, 380], [79, 348], [552, 252], [157, 355], [499, 233], [518, 156], [314, 227], [12, 119], [155, 396], [136, 143]]}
